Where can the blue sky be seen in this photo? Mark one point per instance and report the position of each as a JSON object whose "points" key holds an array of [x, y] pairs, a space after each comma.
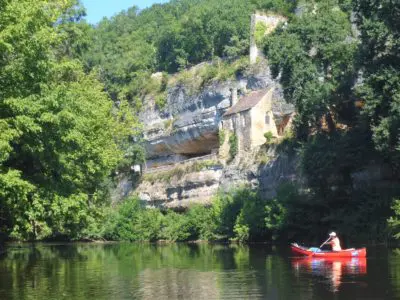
{"points": [[97, 9]]}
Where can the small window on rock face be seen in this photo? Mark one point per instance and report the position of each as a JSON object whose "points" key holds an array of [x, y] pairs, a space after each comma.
{"points": [[266, 119]]}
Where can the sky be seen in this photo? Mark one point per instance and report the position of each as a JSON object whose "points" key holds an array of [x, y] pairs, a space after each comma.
{"points": [[97, 9]]}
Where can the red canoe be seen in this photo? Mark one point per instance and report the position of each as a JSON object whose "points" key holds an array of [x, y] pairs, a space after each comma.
{"points": [[303, 251]]}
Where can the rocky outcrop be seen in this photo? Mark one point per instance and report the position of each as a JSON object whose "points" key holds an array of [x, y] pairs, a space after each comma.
{"points": [[188, 127], [179, 192], [192, 188], [189, 123]]}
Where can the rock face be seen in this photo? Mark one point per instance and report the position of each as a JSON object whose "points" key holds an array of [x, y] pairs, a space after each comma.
{"points": [[188, 128], [189, 124], [177, 193], [200, 187]]}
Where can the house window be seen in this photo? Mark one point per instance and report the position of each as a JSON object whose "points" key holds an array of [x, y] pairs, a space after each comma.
{"points": [[267, 119]]}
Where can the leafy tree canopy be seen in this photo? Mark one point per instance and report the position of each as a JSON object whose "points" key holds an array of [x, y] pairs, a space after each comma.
{"points": [[59, 137], [169, 37]]}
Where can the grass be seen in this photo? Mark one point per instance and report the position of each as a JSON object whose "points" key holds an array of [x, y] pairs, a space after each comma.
{"points": [[161, 100], [196, 78]]}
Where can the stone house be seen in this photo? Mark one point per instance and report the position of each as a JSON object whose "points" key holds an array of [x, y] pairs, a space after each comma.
{"points": [[255, 114]]}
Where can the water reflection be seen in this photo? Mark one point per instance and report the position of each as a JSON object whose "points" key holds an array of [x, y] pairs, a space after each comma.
{"points": [[333, 269], [181, 271]]}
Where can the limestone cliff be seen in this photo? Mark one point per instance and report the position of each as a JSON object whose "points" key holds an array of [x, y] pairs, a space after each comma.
{"points": [[188, 125], [183, 165], [183, 185]]}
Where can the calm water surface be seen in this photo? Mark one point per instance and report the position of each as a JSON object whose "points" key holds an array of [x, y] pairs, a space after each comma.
{"points": [[181, 271]]}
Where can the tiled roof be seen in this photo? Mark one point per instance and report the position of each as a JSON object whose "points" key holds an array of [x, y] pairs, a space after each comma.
{"points": [[246, 102]]}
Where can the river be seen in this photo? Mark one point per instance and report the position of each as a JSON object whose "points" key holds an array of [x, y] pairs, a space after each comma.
{"points": [[191, 271]]}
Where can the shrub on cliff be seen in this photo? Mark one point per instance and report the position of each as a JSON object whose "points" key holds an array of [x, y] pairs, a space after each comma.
{"points": [[233, 145]]}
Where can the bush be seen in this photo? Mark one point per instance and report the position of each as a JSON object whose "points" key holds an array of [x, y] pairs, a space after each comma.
{"points": [[176, 227], [221, 137], [394, 221], [118, 225], [161, 100], [269, 137], [259, 34], [239, 215], [147, 224], [275, 217], [233, 145], [241, 229], [226, 207], [130, 222]]}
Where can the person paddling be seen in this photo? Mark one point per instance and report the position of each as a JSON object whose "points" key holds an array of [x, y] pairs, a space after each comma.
{"points": [[334, 242]]}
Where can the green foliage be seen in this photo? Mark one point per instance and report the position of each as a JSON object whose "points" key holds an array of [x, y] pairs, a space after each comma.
{"points": [[285, 7], [118, 225], [269, 137], [60, 138], [233, 145], [132, 45], [324, 65], [380, 62], [250, 221], [239, 215], [176, 227], [226, 207], [134, 154], [275, 217], [394, 221], [236, 48], [196, 223], [259, 33], [221, 137], [146, 225], [315, 56], [161, 100], [331, 159], [131, 222], [196, 78], [241, 229]]}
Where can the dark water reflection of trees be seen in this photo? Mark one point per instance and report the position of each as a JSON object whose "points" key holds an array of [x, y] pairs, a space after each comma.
{"points": [[182, 271]]}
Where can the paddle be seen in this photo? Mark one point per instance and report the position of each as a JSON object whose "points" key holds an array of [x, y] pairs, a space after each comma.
{"points": [[325, 242]]}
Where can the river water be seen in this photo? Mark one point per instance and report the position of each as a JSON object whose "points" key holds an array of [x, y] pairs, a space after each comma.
{"points": [[186, 271]]}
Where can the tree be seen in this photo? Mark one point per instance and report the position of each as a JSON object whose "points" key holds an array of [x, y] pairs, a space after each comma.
{"points": [[314, 57], [380, 65], [59, 137]]}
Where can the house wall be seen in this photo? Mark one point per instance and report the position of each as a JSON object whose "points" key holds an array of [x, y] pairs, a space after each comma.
{"points": [[258, 116], [239, 124], [244, 132], [250, 126]]}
